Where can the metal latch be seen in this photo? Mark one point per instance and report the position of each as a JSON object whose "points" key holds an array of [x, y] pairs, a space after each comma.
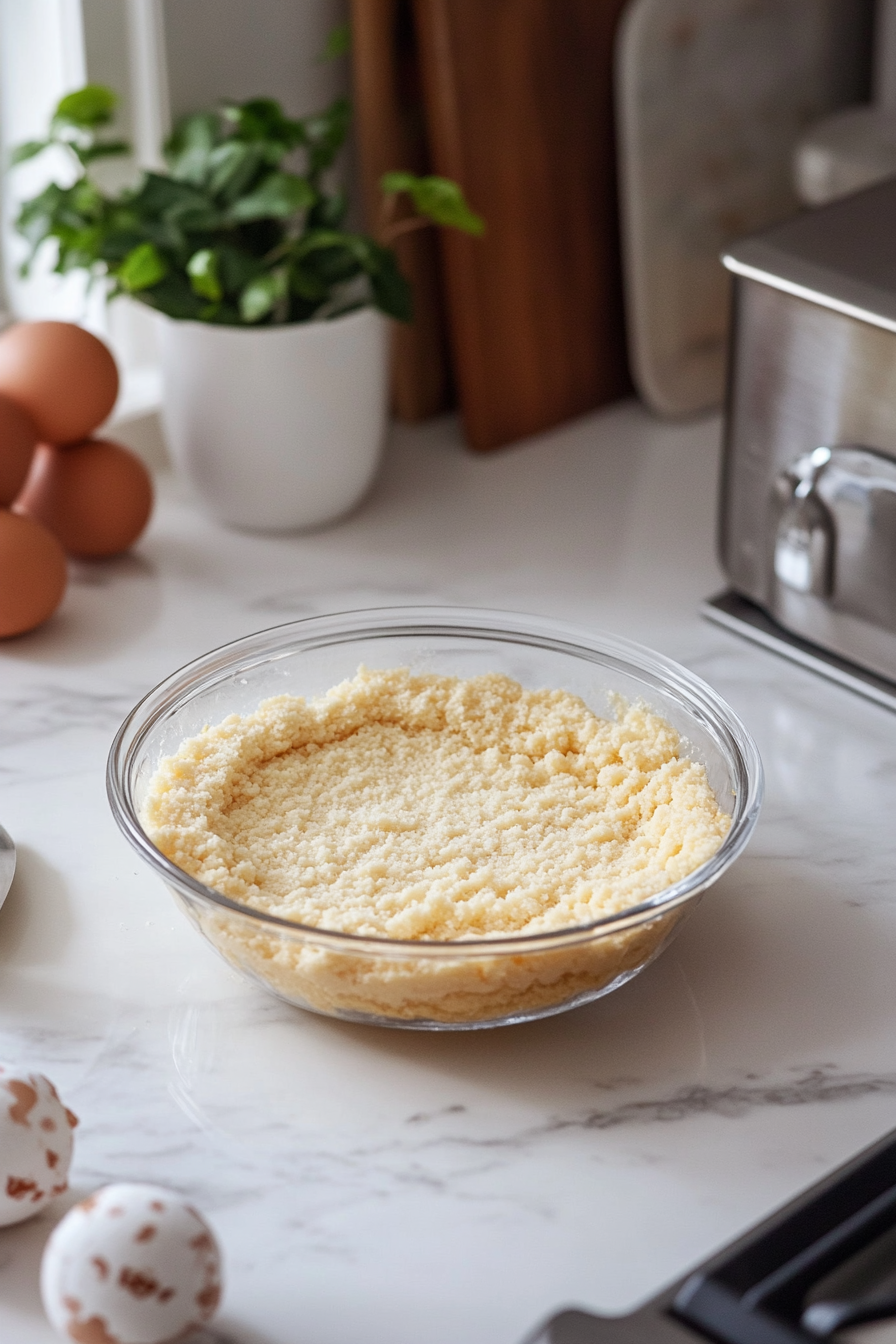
{"points": [[805, 538]]}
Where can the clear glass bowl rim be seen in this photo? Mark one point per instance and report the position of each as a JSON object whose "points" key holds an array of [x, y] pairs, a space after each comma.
{"points": [[601, 647]]}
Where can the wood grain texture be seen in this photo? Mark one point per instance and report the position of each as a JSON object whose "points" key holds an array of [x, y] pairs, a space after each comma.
{"points": [[391, 134], [520, 112]]}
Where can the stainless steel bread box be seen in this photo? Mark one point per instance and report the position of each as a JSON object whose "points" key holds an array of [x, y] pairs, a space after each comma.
{"points": [[808, 505]]}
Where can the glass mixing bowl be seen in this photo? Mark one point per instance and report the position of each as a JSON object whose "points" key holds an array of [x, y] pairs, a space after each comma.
{"points": [[428, 984]]}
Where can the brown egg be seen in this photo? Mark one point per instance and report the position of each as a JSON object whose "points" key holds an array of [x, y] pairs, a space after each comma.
{"points": [[96, 496], [32, 574], [64, 377], [18, 439]]}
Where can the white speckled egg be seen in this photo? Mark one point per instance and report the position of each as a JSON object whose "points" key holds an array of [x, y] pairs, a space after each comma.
{"points": [[133, 1264], [35, 1143]]}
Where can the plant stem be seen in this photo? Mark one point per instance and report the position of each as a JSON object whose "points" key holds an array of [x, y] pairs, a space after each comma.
{"points": [[279, 251], [403, 226]]}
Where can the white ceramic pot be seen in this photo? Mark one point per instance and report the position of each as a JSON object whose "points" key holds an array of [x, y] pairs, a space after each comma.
{"points": [[276, 428]]}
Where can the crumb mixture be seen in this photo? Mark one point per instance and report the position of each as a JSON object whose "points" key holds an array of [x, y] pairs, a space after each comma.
{"points": [[433, 807]]}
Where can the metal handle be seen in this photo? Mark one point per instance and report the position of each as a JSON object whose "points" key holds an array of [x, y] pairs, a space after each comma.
{"points": [[7, 863], [805, 537]]}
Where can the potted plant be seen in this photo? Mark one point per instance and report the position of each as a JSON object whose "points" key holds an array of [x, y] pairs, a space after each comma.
{"points": [[273, 340]]}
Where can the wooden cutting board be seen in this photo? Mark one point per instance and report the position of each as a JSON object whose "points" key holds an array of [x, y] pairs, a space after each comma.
{"points": [[391, 133], [519, 101]]}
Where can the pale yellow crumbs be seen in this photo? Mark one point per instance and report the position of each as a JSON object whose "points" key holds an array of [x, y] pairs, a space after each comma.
{"points": [[429, 807]]}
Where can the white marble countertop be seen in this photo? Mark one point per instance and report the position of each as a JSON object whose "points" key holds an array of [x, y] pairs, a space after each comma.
{"points": [[377, 1187]]}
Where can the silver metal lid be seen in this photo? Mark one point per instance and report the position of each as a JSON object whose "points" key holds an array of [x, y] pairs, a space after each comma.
{"points": [[842, 256]]}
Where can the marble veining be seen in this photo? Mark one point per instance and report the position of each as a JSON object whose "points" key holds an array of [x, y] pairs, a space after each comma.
{"points": [[44, 709], [818, 1085], [399, 1188]]}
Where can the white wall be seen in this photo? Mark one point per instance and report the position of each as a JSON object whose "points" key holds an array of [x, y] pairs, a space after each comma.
{"points": [[41, 54], [245, 48], [164, 58]]}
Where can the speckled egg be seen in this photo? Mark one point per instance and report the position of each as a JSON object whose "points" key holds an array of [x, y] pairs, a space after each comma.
{"points": [[133, 1264], [35, 1143]]}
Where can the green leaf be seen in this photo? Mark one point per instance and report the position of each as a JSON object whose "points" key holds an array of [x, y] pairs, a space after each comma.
{"points": [[173, 296], [37, 217], [120, 215], [237, 267], [318, 240], [309, 286], [86, 108], [325, 134], [397, 180], [436, 198], [328, 212], [317, 274], [85, 199], [34, 222], [103, 149], [224, 236], [194, 218], [167, 237], [202, 268], [26, 151], [232, 167], [392, 293], [115, 245], [190, 147], [338, 43], [143, 267], [277, 197], [262, 294], [81, 249], [263, 119], [158, 194]]}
